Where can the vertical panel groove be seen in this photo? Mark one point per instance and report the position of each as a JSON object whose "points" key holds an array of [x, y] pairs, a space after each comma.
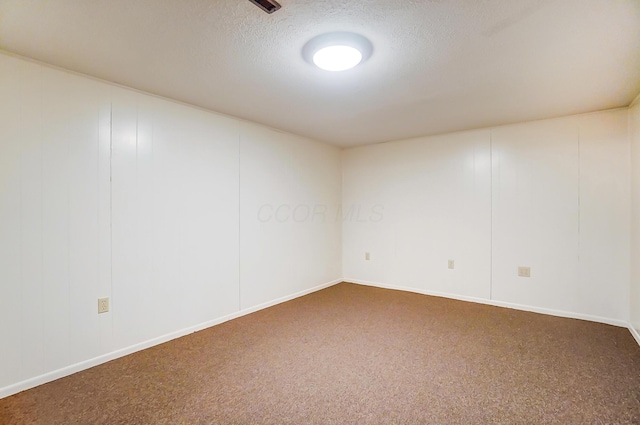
{"points": [[111, 209], [68, 145], [490, 213], [239, 214], [21, 211], [579, 193], [40, 98]]}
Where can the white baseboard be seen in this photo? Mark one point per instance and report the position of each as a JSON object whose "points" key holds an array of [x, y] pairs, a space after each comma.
{"points": [[69, 370], [77, 367], [551, 312], [634, 332], [285, 299]]}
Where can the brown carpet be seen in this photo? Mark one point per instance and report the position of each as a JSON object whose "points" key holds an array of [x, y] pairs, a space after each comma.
{"points": [[358, 355]]}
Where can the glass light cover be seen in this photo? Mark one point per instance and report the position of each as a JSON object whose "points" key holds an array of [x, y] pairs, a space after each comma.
{"points": [[337, 58]]}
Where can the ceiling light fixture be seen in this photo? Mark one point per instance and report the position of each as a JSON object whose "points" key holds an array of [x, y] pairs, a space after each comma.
{"points": [[337, 51]]}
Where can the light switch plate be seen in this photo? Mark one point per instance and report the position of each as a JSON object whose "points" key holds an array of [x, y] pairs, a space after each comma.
{"points": [[451, 264]]}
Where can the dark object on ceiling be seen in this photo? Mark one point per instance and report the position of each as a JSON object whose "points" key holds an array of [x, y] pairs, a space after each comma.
{"points": [[268, 6]]}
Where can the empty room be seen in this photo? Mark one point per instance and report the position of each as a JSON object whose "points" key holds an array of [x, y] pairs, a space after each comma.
{"points": [[319, 212]]}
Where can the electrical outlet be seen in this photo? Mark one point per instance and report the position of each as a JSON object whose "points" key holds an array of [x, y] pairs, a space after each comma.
{"points": [[367, 256], [103, 305], [524, 271], [450, 264]]}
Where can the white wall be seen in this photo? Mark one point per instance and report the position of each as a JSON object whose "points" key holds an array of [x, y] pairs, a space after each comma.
{"points": [[54, 219], [415, 204], [107, 192], [552, 195], [175, 217], [185, 218], [290, 239], [634, 131]]}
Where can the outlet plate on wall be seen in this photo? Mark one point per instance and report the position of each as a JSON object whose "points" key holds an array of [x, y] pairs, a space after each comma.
{"points": [[451, 264], [524, 271], [103, 305]]}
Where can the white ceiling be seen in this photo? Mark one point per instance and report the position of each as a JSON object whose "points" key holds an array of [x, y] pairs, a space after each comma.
{"points": [[438, 65]]}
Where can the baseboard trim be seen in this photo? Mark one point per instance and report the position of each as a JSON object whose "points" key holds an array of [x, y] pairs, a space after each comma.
{"points": [[634, 332], [77, 367], [281, 300], [533, 309]]}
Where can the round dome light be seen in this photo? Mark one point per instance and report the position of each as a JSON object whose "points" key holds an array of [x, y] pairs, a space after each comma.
{"points": [[337, 51], [337, 58]]}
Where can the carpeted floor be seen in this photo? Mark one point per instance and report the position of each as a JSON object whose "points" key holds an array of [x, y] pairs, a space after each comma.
{"points": [[358, 355]]}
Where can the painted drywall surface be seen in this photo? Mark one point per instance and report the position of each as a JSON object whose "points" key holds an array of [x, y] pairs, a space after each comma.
{"points": [[634, 130], [107, 192], [531, 194]]}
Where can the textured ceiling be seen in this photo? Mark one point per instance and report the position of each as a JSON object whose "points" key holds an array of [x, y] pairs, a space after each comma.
{"points": [[438, 65]]}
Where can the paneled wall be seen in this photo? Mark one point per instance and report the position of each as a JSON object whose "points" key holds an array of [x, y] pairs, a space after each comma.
{"points": [[414, 205], [185, 218], [289, 234], [107, 192], [54, 219], [175, 217], [550, 195], [634, 131]]}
